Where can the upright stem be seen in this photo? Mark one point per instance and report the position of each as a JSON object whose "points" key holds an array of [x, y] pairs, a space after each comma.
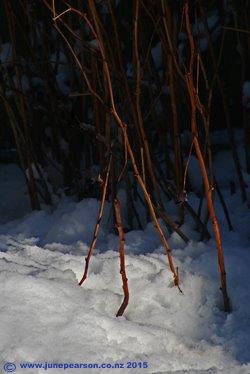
{"points": [[122, 258], [195, 105], [98, 222], [123, 127], [137, 78]]}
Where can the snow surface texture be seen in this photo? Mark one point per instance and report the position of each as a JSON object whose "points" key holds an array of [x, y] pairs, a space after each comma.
{"points": [[46, 316]]}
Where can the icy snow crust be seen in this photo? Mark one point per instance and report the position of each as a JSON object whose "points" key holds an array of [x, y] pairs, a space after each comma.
{"points": [[46, 316]]}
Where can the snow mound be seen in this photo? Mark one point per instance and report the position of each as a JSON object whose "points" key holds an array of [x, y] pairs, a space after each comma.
{"points": [[43, 308]]}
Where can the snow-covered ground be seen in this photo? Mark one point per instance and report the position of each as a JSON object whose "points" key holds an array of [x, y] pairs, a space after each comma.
{"points": [[46, 317]]}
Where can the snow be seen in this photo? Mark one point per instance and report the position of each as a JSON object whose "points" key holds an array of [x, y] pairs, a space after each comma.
{"points": [[200, 33], [46, 316], [223, 165], [199, 28], [59, 62], [5, 53], [157, 55], [246, 94], [24, 83], [12, 184], [94, 43]]}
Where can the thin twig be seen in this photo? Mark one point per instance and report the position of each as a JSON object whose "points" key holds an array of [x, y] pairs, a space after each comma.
{"points": [[97, 226], [122, 257]]}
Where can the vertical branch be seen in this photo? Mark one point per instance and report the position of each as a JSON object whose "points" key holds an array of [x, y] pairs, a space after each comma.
{"points": [[98, 222], [123, 126], [122, 258], [97, 33], [196, 105], [137, 78], [176, 138], [170, 36]]}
